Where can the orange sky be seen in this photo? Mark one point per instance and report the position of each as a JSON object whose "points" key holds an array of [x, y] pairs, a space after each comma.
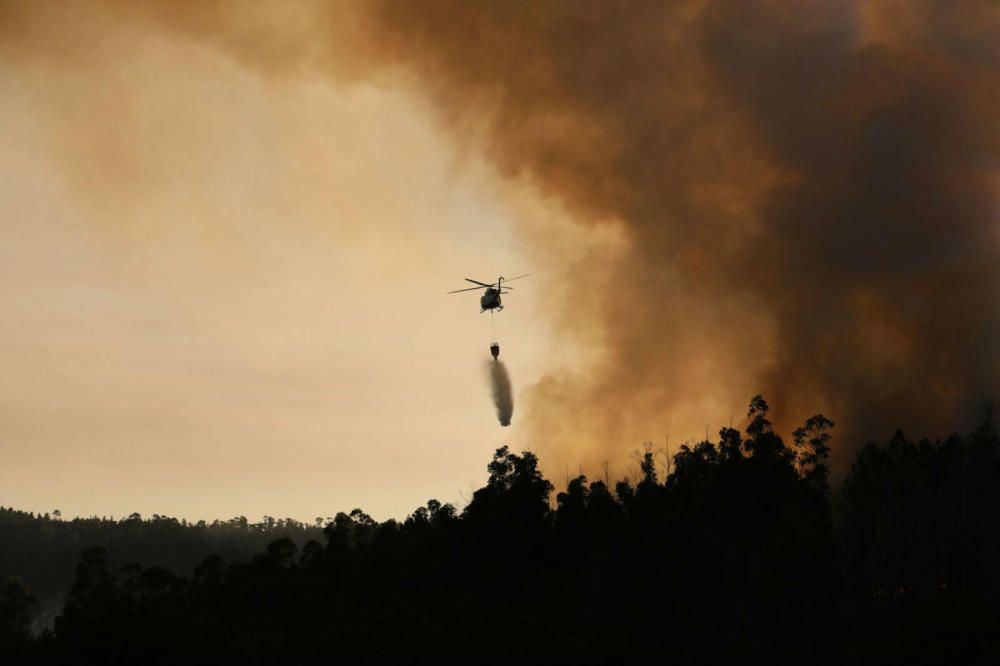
{"points": [[224, 294], [227, 230]]}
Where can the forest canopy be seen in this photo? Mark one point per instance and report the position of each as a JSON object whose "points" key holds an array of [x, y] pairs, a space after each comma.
{"points": [[733, 550]]}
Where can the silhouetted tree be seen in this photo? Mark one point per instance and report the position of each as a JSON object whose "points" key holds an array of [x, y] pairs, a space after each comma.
{"points": [[737, 556]]}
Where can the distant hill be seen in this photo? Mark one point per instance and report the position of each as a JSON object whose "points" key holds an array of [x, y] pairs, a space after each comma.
{"points": [[42, 550]]}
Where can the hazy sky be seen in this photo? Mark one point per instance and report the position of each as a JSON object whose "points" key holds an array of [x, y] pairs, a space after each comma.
{"points": [[228, 228], [224, 294]]}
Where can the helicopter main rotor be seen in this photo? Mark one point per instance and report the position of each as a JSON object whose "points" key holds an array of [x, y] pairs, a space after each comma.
{"points": [[494, 285]]}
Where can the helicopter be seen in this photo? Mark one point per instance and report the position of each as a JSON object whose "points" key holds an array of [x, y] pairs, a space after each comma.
{"points": [[490, 300]]}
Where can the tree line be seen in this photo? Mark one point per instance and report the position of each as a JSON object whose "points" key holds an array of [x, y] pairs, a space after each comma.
{"points": [[42, 549], [741, 554]]}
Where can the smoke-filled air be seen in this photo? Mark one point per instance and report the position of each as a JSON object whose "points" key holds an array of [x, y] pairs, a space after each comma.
{"points": [[804, 194], [503, 397], [807, 194]]}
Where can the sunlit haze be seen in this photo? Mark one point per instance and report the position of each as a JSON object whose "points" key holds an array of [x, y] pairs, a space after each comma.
{"points": [[228, 230], [225, 295]]}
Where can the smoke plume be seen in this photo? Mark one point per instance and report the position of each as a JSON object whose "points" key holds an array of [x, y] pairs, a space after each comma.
{"points": [[806, 191], [503, 397]]}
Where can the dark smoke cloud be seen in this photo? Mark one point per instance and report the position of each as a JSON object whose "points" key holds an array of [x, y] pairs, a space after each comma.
{"points": [[807, 190], [503, 397]]}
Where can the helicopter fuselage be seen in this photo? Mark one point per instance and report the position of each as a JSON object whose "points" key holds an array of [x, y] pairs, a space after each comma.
{"points": [[490, 300]]}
